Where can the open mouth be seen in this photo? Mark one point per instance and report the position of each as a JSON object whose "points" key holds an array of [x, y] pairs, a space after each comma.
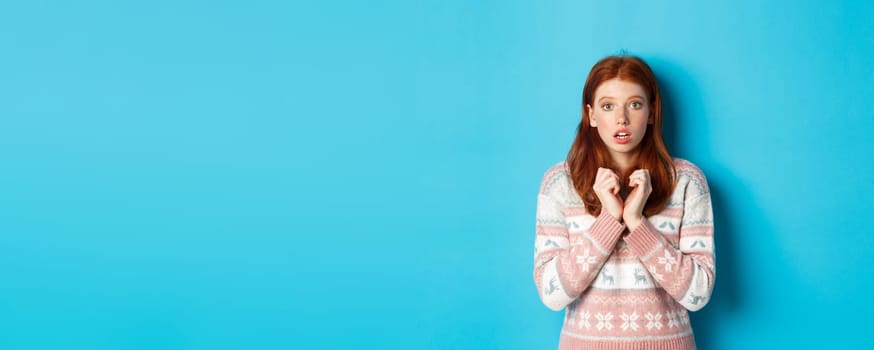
{"points": [[622, 136]]}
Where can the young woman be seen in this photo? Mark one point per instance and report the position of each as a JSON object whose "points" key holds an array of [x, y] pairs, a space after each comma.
{"points": [[624, 236]]}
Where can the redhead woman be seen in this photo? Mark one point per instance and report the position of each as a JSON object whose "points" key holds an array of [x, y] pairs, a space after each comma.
{"points": [[624, 234]]}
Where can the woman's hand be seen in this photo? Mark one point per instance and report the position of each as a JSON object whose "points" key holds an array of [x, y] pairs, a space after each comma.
{"points": [[607, 189], [641, 186]]}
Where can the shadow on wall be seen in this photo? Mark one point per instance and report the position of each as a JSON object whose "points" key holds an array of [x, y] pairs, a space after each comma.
{"points": [[728, 298], [682, 107]]}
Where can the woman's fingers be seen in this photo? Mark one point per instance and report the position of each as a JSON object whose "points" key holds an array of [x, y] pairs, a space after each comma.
{"points": [[614, 185], [607, 185], [639, 177], [634, 182], [607, 180], [604, 174]]}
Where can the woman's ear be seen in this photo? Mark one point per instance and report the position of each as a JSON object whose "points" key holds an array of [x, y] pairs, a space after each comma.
{"points": [[592, 122], [651, 119]]}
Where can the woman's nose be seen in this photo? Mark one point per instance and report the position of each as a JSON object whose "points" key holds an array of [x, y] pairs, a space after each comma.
{"points": [[622, 117]]}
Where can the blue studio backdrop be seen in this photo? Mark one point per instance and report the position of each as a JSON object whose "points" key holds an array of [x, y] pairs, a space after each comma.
{"points": [[339, 174]]}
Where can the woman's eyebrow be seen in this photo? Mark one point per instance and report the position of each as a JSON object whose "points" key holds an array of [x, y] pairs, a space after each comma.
{"points": [[629, 97]]}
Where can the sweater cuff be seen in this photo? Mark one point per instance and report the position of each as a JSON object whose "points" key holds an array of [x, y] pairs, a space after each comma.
{"points": [[644, 239], [606, 230]]}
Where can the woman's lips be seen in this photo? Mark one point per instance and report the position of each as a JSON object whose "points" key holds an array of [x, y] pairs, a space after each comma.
{"points": [[622, 137]]}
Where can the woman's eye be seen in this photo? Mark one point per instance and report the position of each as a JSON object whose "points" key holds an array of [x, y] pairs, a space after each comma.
{"points": [[607, 106], [636, 105]]}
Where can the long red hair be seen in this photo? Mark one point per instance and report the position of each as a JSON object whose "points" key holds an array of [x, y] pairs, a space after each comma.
{"points": [[589, 152]]}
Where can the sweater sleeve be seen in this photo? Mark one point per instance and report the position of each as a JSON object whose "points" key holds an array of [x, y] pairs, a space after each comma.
{"points": [[568, 253], [687, 273]]}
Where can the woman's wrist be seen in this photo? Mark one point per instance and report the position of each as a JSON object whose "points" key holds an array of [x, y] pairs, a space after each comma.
{"points": [[633, 222]]}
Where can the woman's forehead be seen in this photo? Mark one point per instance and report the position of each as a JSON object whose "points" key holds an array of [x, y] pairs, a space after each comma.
{"points": [[617, 88]]}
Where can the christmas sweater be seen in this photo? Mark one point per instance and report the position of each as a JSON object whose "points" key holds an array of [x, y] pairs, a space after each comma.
{"points": [[620, 289]]}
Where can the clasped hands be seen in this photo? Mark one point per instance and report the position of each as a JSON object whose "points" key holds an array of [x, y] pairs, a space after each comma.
{"points": [[607, 187]]}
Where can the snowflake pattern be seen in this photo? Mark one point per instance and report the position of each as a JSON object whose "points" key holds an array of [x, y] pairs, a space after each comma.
{"points": [[583, 321], [586, 260], [655, 320], [668, 260], [673, 321], [629, 321], [604, 321]]}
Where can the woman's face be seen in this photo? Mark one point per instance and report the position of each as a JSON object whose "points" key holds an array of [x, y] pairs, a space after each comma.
{"points": [[620, 113]]}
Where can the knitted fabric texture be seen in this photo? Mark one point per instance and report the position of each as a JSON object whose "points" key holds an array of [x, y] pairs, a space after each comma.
{"points": [[620, 289]]}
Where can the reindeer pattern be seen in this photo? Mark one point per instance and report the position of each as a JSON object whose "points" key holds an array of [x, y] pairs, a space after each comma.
{"points": [[633, 276], [639, 277], [695, 299], [606, 277], [552, 287]]}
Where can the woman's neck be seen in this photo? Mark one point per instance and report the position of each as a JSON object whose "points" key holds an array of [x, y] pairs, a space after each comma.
{"points": [[625, 162]]}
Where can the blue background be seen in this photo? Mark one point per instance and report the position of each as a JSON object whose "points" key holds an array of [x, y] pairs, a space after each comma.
{"points": [[265, 174]]}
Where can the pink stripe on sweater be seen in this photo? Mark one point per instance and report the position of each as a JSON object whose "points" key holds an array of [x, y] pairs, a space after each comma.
{"points": [[575, 211], [672, 212], [569, 342], [551, 230], [701, 230]]}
